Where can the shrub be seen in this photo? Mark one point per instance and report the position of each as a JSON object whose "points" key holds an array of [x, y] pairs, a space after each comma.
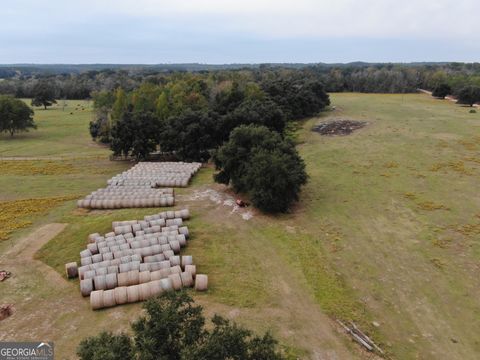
{"points": [[469, 95], [442, 90]]}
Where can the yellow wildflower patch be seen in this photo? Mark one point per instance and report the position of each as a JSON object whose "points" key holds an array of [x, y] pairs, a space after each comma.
{"points": [[36, 167], [17, 214]]}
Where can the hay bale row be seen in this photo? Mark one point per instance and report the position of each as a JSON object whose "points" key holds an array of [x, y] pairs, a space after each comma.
{"points": [[127, 202], [104, 298], [175, 174]]}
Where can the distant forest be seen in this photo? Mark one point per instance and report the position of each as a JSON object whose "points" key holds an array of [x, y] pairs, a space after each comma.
{"points": [[82, 81]]}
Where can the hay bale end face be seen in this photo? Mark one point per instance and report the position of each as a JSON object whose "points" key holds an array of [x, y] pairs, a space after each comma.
{"points": [[71, 269]]}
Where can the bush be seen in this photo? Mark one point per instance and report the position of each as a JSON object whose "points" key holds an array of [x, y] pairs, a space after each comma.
{"points": [[441, 91], [15, 116], [259, 162], [469, 95], [473, 111], [174, 329]]}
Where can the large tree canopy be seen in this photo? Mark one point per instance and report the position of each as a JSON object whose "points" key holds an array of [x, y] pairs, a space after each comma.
{"points": [[15, 115], [254, 111], [260, 163], [297, 98], [43, 94], [135, 134], [190, 135]]}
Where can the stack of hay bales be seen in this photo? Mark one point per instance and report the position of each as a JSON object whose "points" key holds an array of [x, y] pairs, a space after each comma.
{"points": [[139, 259], [157, 174], [139, 186]]}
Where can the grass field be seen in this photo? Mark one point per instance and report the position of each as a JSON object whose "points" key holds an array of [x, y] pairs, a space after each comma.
{"points": [[387, 231]]}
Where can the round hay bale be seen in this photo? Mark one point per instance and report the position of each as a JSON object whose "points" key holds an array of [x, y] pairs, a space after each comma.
{"points": [[155, 288], [175, 245], [183, 230], [192, 269], [164, 273], [185, 214], [89, 274], [101, 271], [85, 253], [107, 256], [181, 239], [96, 299], [122, 279], [132, 294], [113, 269], [165, 247], [111, 281], [109, 298], [144, 291], [133, 277], [97, 258], [155, 275], [166, 284], [175, 269], [120, 295], [164, 264], [176, 281], [135, 265], [136, 257], [168, 254], [93, 247], [86, 287], [124, 267], [144, 267], [71, 269], [187, 260], [187, 279], [174, 260], [99, 282], [170, 215], [144, 277], [201, 282]]}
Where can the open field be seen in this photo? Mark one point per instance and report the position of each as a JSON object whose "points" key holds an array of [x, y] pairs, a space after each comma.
{"points": [[387, 230]]}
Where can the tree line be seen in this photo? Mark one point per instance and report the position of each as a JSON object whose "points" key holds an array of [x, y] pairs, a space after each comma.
{"points": [[73, 83]]}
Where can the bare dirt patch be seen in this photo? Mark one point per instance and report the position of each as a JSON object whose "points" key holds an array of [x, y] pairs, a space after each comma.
{"points": [[338, 127], [222, 198], [6, 310]]}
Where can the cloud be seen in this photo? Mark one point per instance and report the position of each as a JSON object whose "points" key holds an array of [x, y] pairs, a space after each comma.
{"points": [[235, 31], [310, 18]]}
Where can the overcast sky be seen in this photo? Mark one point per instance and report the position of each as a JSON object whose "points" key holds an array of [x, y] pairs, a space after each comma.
{"points": [[238, 31]]}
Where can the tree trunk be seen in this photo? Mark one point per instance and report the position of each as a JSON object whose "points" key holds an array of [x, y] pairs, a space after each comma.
{"points": [[45, 106], [11, 132]]}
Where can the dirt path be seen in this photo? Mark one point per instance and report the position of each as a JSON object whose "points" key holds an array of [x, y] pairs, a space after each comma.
{"points": [[47, 305], [25, 248]]}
